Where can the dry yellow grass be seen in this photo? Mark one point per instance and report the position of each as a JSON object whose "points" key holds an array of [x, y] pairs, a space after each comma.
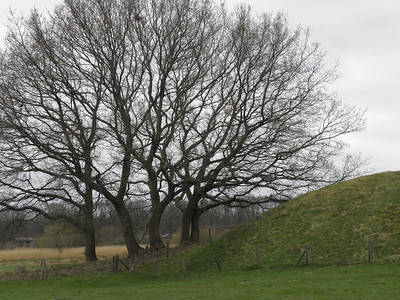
{"points": [[73, 254], [204, 235]]}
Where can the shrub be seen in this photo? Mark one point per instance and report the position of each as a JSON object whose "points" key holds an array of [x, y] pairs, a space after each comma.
{"points": [[60, 236]]}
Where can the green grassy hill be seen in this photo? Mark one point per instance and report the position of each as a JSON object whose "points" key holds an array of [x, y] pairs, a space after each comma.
{"points": [[335, 222]]}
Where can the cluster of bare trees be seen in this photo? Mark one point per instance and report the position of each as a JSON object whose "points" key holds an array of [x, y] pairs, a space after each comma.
{"points": [[164, 102]]}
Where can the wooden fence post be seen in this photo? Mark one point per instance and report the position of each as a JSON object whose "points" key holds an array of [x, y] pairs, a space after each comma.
{"points": [[306, 251], [167, 250], [186, 267], [43, 273], [209, 234], [133, 268], [257, 255], [307, 256], [369, 251], [115, 263], [218, 262]]}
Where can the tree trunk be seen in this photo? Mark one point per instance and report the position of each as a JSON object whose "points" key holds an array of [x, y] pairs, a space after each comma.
{"points": [[127, 230], [186, 224], [88, 225], [156, 242], [88, 231], [90, 244], [195, 234]]}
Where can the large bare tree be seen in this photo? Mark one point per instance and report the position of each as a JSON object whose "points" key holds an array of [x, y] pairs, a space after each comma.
{"points": [[179, 44], [269, 128], [167, 101], [239, 110], [67, 134], [49, 129], [261, 123]]}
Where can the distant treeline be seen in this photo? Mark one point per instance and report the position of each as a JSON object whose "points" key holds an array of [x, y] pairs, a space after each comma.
{"points": [[49, 233]]}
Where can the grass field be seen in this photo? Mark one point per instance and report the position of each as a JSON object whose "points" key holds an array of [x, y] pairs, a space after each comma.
{"points": [[53, 253], [350, 282], [30, 258], [335, 223]]}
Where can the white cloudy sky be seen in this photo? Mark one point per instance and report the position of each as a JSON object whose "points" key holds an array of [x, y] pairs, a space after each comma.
{"points": [[364, 35]]}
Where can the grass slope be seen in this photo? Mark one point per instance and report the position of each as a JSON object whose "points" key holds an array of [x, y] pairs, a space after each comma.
{"points": [[335, 222]]}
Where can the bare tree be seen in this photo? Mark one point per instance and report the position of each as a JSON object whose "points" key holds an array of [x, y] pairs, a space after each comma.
{"points": [[268, 127], [178, 43], [100, 36], [166, 101], [63, 112], [49, 130], [236, 107]]}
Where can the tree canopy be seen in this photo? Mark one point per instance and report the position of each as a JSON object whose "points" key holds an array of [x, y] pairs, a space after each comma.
{"points": [[167, 102]]}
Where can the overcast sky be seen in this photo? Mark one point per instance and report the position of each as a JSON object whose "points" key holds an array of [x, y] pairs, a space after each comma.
{"points": [[363, 35]]}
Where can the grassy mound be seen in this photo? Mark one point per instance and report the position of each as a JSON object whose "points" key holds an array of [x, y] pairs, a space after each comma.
{"points": [[335, 222]]}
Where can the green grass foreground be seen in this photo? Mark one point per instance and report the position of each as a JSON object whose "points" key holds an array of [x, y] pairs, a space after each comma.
{"points": [[345, 282]]}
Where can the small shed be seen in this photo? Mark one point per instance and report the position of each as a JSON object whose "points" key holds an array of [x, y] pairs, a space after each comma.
{"points": [[25, 242]]}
